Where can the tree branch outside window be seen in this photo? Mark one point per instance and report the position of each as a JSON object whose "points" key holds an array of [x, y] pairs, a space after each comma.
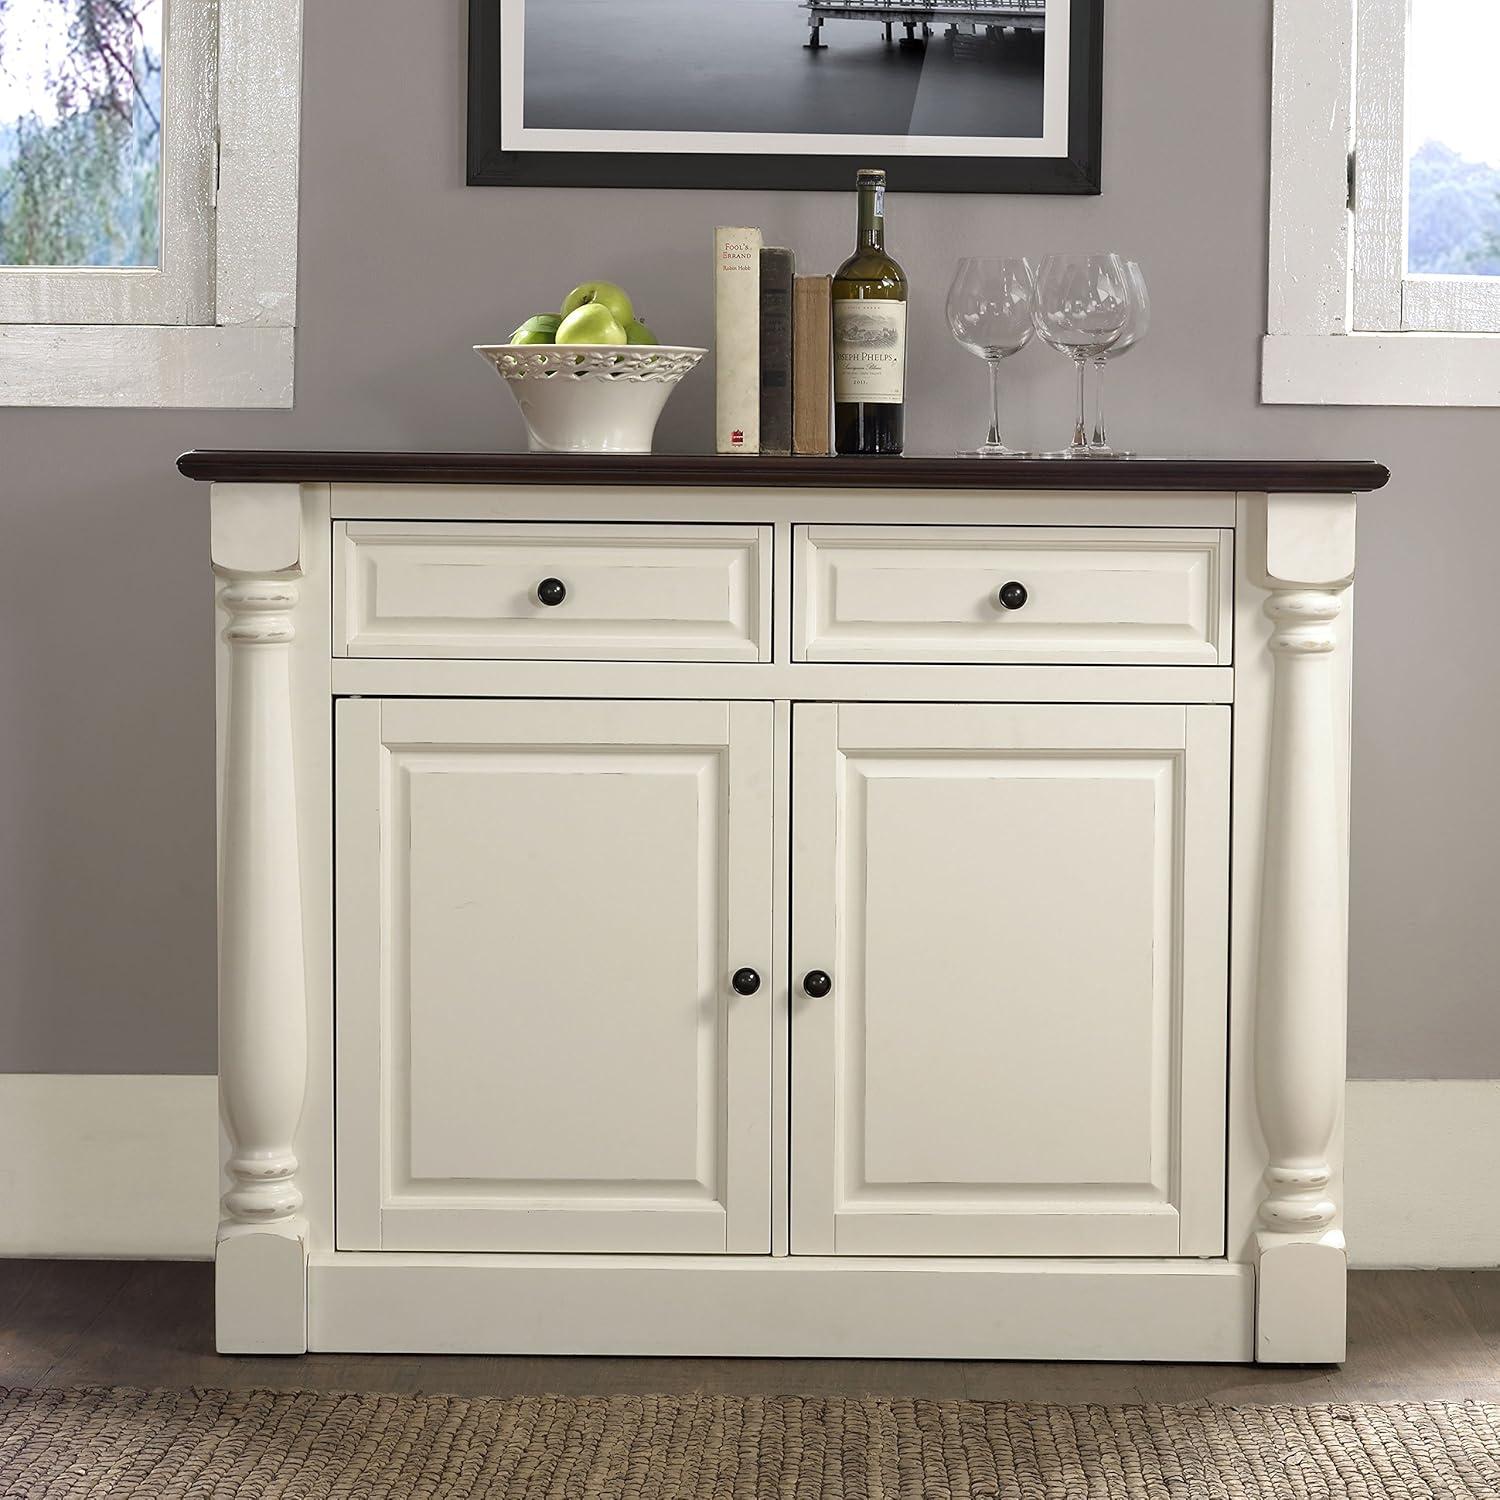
{"points": [[80, 132]]}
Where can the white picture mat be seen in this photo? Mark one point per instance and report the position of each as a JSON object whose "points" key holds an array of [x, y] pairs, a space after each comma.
{"points": [[515, 136]]}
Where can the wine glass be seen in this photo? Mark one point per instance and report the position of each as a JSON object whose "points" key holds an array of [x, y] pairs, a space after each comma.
{"points": [[1136, 325], [1082, 304], [990, 314]]}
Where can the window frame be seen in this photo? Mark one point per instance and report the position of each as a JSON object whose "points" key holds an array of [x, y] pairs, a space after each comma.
{"points": [[1387, 297], [178, 289], [1325, 280], [214, 325]]}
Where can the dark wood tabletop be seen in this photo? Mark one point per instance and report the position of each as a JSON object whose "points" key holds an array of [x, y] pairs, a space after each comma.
{"points": [[1256, 475]]}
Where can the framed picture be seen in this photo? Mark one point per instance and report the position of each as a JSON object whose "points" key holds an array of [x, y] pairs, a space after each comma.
{"points": [[949, 96]]}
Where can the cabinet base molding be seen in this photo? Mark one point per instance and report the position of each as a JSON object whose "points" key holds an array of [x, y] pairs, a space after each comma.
{"points": [[260, 1289], [1300, 1313], [787, 1307]]}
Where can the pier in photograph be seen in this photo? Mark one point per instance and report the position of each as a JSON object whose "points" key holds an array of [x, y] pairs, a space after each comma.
{"points": [[967, 25]]}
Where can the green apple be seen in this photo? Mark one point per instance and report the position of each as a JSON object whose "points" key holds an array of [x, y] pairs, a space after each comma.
{"points": [[636, 332], [615, 298], [592, 323], [537, 330]]}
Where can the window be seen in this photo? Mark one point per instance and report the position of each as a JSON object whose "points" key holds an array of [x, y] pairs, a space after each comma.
{"points": [[80, 134], [148, 171], [1426, 179], [1385, 204]]}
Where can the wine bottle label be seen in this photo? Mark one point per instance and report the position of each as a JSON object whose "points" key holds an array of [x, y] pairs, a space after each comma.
{"points": [[869, 351]]}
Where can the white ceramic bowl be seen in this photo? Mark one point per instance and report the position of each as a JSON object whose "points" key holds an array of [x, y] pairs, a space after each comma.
{"points": [[590, 398]]}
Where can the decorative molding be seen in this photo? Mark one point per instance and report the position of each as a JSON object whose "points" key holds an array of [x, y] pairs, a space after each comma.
{"points": [[108, 1165]]}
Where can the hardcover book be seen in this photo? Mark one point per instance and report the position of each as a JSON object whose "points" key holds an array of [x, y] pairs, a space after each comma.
{"points": [[737, 339], [776, 321], [812, 365]]}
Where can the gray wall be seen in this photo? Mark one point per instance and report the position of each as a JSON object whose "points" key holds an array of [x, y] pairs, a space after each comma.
{"points": [[106, 751]]}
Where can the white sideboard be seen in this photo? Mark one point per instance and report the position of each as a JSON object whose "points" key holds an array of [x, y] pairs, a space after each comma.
{"points": [[783, 907]]}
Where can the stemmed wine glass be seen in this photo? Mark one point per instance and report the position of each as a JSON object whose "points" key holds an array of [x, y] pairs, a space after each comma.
{"points": [[1082, 304], [990, 313], [1136, 325]]}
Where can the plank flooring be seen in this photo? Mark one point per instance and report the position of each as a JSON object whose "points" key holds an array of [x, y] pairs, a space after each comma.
{"points": [[1414, 1336]]}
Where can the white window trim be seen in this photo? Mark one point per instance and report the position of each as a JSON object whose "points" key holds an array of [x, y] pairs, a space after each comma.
{"points": [[244, 356], [1312, 354]]}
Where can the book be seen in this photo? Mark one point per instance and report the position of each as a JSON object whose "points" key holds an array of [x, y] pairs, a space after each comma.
{"points": [[737, 340], [776, 267], [812, 364]]}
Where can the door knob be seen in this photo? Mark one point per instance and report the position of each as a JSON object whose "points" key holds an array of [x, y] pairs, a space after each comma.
{"points": [[1011, 595], [552, 591], [816, 983], [745, 981]]}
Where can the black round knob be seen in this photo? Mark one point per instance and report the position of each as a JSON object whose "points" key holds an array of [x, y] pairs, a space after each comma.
{"points": [[816, 983], [1012, 595], [745, 981], [552, 591]]}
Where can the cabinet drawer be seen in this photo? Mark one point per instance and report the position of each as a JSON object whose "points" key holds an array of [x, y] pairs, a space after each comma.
{"points": [[629, 593], [1091, 594]]}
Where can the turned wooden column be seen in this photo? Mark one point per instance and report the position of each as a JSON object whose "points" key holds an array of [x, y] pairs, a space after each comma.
{"points": [[261, 1255], [262, 1016], [1303, 965]]}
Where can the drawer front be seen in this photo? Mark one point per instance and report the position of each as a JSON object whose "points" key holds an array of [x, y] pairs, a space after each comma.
{"points": [[1092, 595], [630, 593]]}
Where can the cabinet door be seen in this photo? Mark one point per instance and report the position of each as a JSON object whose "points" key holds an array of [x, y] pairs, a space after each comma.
{"points": [[1023, 910], [540, 906]]}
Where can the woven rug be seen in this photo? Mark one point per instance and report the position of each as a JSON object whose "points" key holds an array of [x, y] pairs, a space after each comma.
{"points": [[299, 1445]]}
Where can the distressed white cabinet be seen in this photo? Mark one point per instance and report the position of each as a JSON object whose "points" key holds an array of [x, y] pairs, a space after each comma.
{"points": [[800, 907]]}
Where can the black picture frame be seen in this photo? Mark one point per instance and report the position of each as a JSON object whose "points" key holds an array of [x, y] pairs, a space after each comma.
{"points": [[1077, 172]]}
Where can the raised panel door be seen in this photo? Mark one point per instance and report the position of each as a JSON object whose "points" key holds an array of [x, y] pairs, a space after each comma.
{"points": [[1023, 912], [540, 907]]}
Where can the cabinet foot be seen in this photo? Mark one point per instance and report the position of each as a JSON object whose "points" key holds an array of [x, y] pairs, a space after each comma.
{"points": [[1300, 1299], [260, 1289]]}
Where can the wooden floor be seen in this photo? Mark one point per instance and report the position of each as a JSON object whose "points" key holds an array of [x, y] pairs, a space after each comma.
{"points": [[1413, 1335]]}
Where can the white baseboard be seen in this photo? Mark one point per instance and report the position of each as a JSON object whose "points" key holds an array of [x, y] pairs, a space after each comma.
{"points": [[1422, 1172], [111, 1165]]}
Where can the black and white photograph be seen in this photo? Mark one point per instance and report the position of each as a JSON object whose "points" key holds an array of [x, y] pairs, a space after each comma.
{"points": [[954, 95]]}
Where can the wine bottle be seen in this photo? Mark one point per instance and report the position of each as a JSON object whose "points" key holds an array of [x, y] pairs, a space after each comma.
{"points": [[869, 334]]}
